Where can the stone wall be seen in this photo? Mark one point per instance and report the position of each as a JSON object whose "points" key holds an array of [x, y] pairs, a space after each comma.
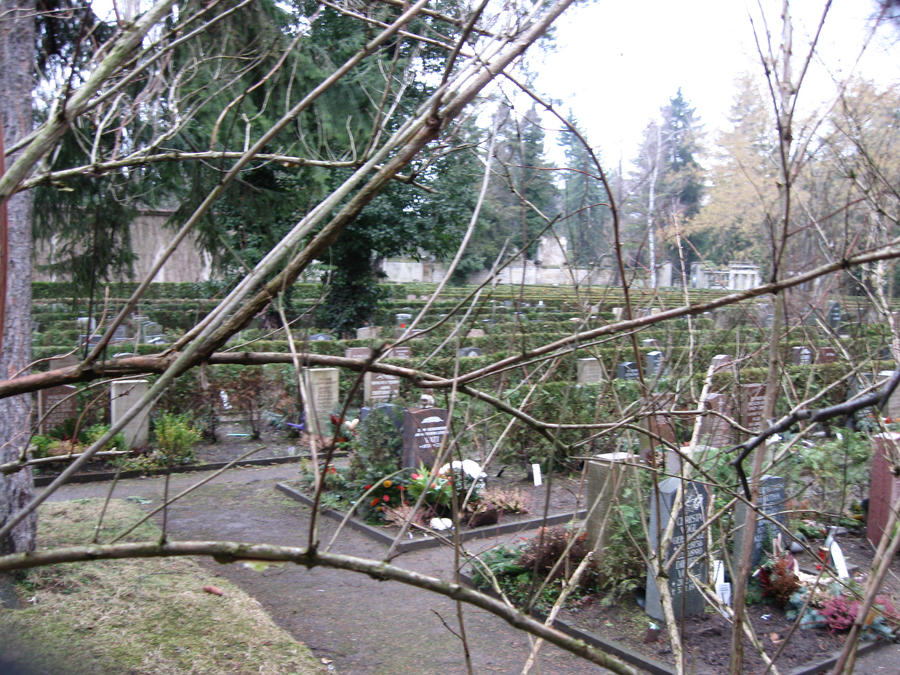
{"points": [[149, 238]]}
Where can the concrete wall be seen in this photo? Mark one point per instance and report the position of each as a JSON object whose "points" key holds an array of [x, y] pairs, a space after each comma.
{"points": [[149, 237]]}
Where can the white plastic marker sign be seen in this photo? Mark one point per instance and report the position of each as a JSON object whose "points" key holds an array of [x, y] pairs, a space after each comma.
{"points": [[536, 472]]}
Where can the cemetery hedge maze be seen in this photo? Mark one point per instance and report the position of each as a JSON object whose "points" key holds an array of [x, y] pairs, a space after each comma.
{"points": [[607, 423]]}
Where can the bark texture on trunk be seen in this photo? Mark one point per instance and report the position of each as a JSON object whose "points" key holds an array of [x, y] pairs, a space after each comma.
{"points": [[16, 83]]}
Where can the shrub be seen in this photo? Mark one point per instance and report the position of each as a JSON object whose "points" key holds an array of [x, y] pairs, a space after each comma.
{"points": [[549, 546], [175, 439]]}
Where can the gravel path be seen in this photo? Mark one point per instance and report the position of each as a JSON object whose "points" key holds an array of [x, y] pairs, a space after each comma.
{"points": [[360, 625]]}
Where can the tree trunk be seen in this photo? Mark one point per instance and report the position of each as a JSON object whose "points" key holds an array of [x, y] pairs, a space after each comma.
{"points": [[16, 84]]}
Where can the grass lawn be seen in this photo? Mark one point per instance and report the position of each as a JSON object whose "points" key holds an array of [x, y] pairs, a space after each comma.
{"points": [[136, 616]]}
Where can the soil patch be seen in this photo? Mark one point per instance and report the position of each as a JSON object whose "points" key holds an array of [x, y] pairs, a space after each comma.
{"points": [[562, 504]]}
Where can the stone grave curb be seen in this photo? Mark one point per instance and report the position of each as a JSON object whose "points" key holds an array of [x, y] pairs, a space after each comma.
{"points": [[827, 663], [428, 541], [615, 648], [100, 476], [659, 668]]}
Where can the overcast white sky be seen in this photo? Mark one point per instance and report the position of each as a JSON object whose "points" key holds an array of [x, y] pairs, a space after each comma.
{"points": [[617, 63]]}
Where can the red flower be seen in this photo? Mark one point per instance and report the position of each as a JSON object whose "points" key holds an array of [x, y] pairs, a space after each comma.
{"points": [[387, 498], [368, 487], [374, 502], [416, 476]]}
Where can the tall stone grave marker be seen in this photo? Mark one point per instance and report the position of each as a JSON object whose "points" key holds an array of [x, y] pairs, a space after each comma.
{"points": [[123, 394], [603, 474], [716, 431], [687, 600], [659, 424], [834, 315], [891, 408], [321, 396], [423, 432], [884, 486], [653, 363], [56, 405], [589, 371], [752, 403], [771, 503]]}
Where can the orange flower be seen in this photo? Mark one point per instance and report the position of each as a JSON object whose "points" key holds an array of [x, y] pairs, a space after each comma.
{"points": [[387, 483], [374, 502]]}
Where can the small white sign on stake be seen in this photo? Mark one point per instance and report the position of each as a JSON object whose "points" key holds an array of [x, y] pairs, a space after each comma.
{"points": [[536, 473], [840, 563]]}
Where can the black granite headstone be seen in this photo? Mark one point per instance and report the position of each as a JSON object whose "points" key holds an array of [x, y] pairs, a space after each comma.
{"points": [[687, 600]]}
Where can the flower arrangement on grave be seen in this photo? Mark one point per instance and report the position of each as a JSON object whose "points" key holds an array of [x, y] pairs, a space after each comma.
{"points": [[439, 489], [835, 607]]}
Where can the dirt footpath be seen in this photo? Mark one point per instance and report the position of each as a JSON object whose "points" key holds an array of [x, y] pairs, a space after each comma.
{"points": [[361, 625]]}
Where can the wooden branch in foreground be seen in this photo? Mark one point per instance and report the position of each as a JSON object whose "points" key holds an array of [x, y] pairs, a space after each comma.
{"points": [[227, 552]]}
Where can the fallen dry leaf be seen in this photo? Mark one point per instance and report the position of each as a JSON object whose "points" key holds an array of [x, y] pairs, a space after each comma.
{"points": [[215, 590]]}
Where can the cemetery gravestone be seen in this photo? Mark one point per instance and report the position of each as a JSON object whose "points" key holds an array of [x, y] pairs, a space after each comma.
{"points": [[321, 396], [753, 400], [687, 600], [618, 313], [368, 332], [603, 475], [589, 371], [654, 363], [660, 425], [320, 337], [771, 503], [716, 431], [627, 370], [390, 410], [719, 361], [834, 315], [826, 355], [56, 406], [884, 486], [801, 356], [123, 394], [465, 352], [424, 430], [380, 387], [119, 335], [399, 352], [360, 353], [476, 333]]}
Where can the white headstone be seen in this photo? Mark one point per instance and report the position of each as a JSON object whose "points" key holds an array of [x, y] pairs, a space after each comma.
{"points": [[123, 394], [321, 397]]}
